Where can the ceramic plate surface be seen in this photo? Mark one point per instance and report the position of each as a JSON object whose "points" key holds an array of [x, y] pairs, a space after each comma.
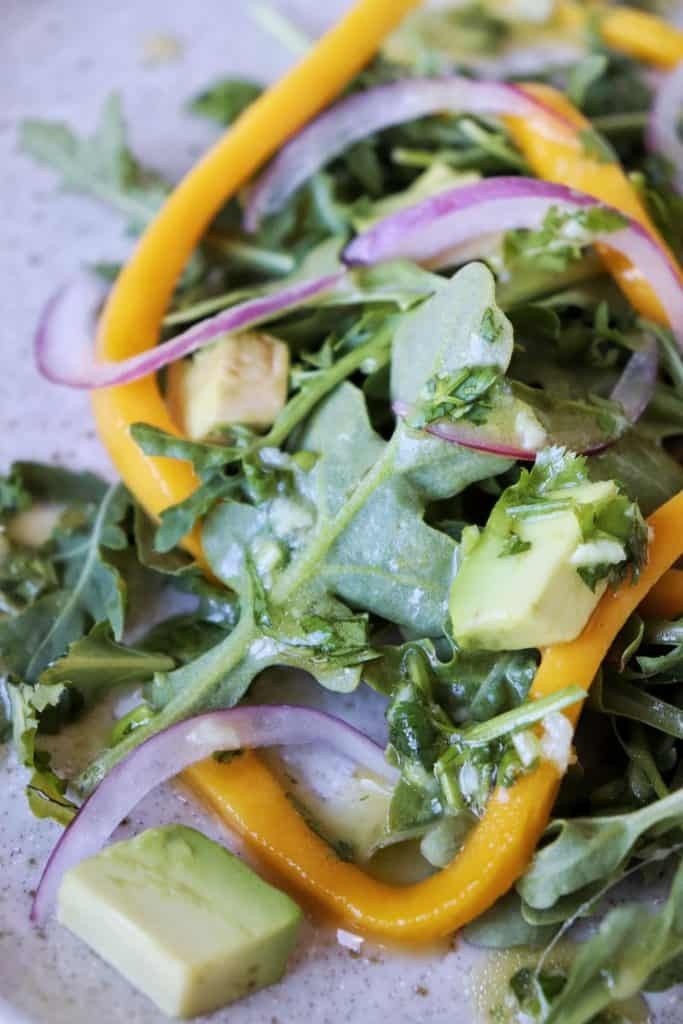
{"points": [[60, 60]]}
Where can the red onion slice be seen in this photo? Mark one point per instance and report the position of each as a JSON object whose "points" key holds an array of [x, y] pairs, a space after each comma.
{"points": [[441, 223], [169, 752], [636, 386], [364, 113], [63, 345], [663, 135], [495, 438], [506, 432]]}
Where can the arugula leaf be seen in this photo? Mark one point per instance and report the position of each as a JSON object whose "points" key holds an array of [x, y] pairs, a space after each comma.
{"points": [[225, 100], [621, 698], [583, 75], [59, 485], [438, 177], [176, 562], [97, 662], [183, 638], [430, 41], [503, 926], [28, 704], [371, 350], [585, 851], [648, 474], [101, 166], [46, 794], [92, 590], [459, 327], [319, 536], [631, 946], [596, 147]]}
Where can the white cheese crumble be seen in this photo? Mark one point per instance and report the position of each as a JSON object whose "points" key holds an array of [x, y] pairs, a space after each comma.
{"points": [[349, 940], [556, 742], [599, 552], [530, 432]]}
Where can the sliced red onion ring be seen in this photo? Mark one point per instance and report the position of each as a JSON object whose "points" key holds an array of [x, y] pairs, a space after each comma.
{"points": [[169, 752], [439, 224], [507, 432], [663, 134], [63, 344], [364, 113], [483, 438], [636, 386]]}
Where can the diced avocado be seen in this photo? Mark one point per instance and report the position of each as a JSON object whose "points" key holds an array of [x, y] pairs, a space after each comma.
{"points": [[536, 571], [241, 378], [181, 918], [34, 526]]}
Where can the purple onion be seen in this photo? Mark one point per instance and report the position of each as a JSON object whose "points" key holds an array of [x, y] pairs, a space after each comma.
{"points": [[63, 345], [433, 228], [663, 132], [364, 113], [169, 752]]}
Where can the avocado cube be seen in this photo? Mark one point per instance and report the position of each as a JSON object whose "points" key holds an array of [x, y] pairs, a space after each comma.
{"points": [[533, 597], [182, 919], [241, 378]]}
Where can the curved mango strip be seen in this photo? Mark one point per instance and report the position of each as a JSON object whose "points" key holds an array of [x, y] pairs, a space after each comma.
{"points": [[245, 792], [132, 317], [559, 156], [635, 33], [249, 799]]}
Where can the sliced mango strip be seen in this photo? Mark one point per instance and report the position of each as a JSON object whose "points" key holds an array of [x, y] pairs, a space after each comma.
{"points": [[244, 791], [566, 157], [249, 799], [635, 33], [132, 317]]}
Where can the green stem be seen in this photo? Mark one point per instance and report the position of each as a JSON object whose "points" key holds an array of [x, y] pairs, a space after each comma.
{"points": [[615, 124], [281, 28], [210, 669], [298, 407], [270, 261], [330, 529], [629, 701], [523, 716], [531, 285]]}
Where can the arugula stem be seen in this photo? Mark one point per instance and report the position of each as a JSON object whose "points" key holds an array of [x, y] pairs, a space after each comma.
{"points": [[212, 667], [281, 28], [521, 717], [271, 261], [531, 285], [628, 701], [330, 529], [626, 121], [298, 407]]}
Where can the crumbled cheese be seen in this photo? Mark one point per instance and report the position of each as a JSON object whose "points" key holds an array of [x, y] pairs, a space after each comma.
{"points": [[599, 552], [349, 940], [530, 432], [556, 742]]}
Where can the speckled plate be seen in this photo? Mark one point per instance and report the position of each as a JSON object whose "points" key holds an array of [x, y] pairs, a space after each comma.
{"points": [[60, 60]]}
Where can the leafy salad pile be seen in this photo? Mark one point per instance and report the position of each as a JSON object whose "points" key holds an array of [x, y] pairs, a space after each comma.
{"points": [[333, 536]]}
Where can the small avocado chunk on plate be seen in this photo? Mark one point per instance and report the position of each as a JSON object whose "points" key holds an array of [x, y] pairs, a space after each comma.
{"points": [[182, 918]]}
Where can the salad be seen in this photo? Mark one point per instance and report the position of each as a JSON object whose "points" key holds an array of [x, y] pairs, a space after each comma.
{"points": [[412, 428]]}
